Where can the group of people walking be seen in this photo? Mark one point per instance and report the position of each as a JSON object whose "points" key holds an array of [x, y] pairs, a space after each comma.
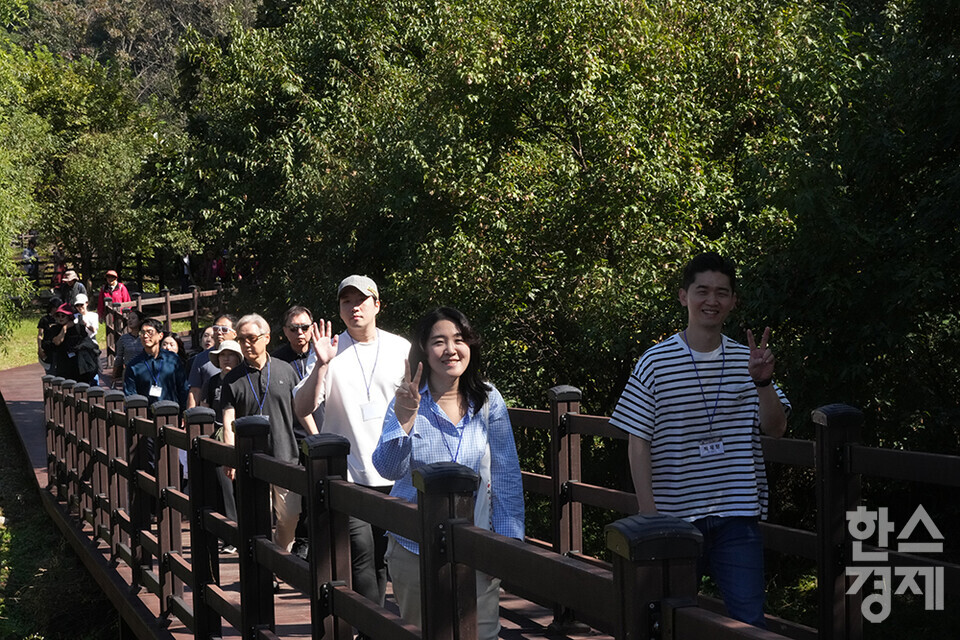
{"points": [[694, 408]]}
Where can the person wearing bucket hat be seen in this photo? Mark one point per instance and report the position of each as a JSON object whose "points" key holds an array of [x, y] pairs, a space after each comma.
{"points": [[88, 319], [71, 287], [112, 292], [226, 357], [352, 377], [75, 355]]}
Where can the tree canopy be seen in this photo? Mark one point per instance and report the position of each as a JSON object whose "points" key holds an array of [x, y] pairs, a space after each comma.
{"points": [[547, 167]]}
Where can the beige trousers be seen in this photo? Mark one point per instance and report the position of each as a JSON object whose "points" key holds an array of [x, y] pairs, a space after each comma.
{"points": [[404, 567]]}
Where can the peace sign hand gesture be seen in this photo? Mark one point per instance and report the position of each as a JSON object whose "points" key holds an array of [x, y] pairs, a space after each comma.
{"points": [[407, 400], [760, 365], [324, 341]]}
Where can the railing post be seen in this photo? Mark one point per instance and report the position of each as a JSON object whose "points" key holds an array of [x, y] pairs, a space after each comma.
{"points": [[838, 491], [448, 591], [98, 459], [654, 563], [567, 516], [116, 439], [166, 310], [67, 448], [137, 457], [565, 456], [253, 521], [325, 457], [82, 458], [108, 320], [203, 499], [195, 317], [53, 402], [166, 413], [138, 298]]}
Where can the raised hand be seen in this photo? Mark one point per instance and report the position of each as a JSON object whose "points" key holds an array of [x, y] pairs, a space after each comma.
{"points": [[408, 396], [324, 341], [760, 365]]}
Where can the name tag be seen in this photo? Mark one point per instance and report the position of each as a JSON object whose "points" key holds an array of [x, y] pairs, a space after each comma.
{"points": [[711, 447], [156, 391], [372, 410]]}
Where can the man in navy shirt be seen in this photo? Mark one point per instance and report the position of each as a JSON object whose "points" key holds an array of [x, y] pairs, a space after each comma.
{"points": [[155, 373]]}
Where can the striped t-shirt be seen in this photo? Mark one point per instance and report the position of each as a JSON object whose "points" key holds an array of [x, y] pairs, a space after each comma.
{"points": [[677, 407]]}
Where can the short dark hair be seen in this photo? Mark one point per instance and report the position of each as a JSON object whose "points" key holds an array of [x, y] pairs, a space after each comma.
{"points": [[709, 261], [153, 322], [228, 316], [472, 388], [296, 310], [54, 304]]}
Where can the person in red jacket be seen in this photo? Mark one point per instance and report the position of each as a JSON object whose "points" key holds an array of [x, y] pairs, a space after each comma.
{"points": [[112, 291]]}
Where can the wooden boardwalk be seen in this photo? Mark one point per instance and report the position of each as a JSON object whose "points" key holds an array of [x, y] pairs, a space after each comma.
{"points": [[22, 393]]}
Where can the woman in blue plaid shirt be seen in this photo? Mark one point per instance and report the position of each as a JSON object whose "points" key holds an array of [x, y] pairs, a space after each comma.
{"points": [[444, 411]]}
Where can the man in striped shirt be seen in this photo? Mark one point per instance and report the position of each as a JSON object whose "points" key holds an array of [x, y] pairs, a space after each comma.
{"points": [[694, 407]]}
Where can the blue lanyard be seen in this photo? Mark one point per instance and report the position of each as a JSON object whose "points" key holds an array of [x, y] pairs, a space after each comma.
{"points": [[375, 360], [440, 416], [153, 372], [256, 397], [723, 364]]}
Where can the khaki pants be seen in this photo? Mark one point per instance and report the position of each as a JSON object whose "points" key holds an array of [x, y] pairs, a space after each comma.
{"points": [[286, 504], [404, 567]]}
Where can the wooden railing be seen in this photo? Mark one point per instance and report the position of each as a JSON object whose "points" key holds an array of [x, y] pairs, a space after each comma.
{"points": [[163, 309], [98, 443]]}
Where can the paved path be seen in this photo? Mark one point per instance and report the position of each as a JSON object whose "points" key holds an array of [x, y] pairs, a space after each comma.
{"points": [[22, 391]]}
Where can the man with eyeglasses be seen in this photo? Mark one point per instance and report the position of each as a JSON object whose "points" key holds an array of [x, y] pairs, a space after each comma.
{"points": [[201, 369], [262, 385], [156, 373], [353, 376], [297, 323]]}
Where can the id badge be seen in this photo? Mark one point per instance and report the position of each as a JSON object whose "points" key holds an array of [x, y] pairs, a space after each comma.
{"points": [[711, 447], [372, 410], [155, 390]]}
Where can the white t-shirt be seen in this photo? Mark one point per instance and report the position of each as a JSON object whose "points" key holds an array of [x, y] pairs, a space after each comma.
{"points": [[360, 382], [91, 322]]}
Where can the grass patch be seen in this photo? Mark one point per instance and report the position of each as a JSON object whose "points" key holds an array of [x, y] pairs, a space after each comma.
{"points": [[20, 347], [45, 591]]}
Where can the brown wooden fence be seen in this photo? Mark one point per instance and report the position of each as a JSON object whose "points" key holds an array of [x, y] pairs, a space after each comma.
{"points": [[166, 308], [98, 471]]}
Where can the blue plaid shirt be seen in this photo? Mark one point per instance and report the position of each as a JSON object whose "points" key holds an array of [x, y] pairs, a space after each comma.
{"points": [[434, 438]]}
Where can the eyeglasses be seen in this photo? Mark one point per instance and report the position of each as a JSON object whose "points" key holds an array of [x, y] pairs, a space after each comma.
{"points": [[148, 332], [298, 327], [250, 339], [219, 328]]}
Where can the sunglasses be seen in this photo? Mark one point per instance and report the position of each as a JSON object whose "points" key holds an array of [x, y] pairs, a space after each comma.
{"points": [[298, 327], [217, 328]]}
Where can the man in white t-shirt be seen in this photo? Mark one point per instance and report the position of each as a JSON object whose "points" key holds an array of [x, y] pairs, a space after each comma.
{"points": [[694, 407], [355, 375]]}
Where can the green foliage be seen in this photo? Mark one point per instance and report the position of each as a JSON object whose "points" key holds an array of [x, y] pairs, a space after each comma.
{"points": [[23, 141], [544, 166]]}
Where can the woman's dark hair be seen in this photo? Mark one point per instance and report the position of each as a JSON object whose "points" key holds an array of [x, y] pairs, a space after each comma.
{"points": [[181, 351], [473, 390], [139, 315]]}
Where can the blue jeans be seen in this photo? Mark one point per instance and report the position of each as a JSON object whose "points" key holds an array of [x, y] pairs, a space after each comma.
{"points": [[733, 556]]}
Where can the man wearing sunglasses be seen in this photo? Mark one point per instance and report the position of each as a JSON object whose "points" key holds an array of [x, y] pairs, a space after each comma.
{"points": [[201, 369], [297, 323]]}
